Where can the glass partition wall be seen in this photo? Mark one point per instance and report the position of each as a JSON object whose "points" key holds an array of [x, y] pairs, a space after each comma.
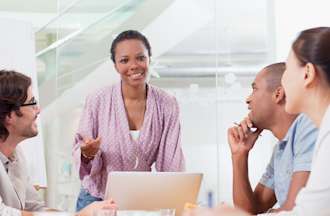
{"points": [[206, 53]]}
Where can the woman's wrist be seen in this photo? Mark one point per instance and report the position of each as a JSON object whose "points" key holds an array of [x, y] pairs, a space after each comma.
{"points": [[86, 158]]}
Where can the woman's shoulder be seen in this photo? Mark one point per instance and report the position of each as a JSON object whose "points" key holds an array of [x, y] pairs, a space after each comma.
{"points": [[162, 95], [164, 99], [102, 93]]}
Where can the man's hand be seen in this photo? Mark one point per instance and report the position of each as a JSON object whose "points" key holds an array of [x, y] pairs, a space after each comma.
{"points": [[241, 138]]}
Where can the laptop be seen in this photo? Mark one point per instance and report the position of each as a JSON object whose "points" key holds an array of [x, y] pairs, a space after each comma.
{"points": [[152, 191]]}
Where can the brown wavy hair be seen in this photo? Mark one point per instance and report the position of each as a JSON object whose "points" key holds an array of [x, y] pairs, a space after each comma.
{"points": [[13, 93]]}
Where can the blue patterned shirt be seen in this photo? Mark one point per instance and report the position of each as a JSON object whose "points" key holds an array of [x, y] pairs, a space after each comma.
{"points": [[292, 154]]}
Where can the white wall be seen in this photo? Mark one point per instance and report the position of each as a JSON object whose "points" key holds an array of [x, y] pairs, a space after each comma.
{"points": [[293, 16]]}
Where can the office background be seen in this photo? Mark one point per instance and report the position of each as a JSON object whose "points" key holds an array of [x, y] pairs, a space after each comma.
{"points": [[206, 53]]}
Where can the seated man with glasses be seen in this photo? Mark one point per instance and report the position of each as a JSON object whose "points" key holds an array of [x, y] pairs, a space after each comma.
{"points": [[18, 114]]}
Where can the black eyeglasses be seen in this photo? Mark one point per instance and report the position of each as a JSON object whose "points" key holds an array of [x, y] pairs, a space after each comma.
{"points": [[33, 103]]}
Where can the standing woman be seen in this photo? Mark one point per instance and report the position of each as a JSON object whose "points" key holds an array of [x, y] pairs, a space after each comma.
{"points": [[128, 126]]}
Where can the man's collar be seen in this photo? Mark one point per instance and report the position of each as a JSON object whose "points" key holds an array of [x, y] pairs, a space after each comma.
{"points": [[282, 143], [3, 158]]}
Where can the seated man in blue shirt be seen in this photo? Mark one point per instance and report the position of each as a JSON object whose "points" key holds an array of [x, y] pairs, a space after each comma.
{"points": [[289, 167]]}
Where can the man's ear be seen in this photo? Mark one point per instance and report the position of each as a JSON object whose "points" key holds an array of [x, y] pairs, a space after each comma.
{"points": [[279, 95], [9, 119]]}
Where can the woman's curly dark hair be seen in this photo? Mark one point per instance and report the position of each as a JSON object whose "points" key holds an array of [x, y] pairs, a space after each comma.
{"points": [[129, 35]]}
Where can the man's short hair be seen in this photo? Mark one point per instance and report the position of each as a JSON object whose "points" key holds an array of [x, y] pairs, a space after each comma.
{"points": [[274, 75], [13, 93]]}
